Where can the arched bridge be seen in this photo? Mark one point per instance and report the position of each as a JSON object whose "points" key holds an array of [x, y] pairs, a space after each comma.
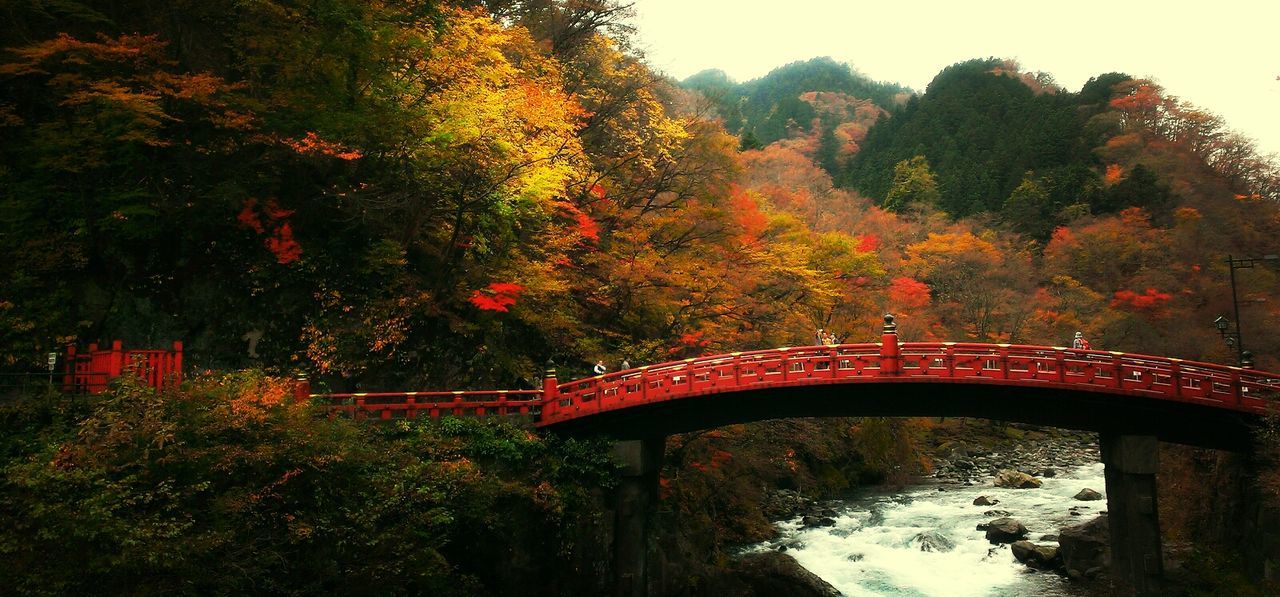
{"points": [[1111, 392], [1131, 400]]}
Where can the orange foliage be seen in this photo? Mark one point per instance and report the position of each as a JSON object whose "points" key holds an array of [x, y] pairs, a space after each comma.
{"points": [[1142, 96], [252, 402], [1114, 173], [312, 144], [747, 214], [689, 343]]}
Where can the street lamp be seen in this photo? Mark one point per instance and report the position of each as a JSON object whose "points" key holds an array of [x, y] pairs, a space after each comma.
{"points": [[1224, 329], [1244, 358]]}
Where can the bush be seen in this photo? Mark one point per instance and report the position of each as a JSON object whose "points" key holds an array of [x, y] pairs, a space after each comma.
{"points": [[230, 486]]}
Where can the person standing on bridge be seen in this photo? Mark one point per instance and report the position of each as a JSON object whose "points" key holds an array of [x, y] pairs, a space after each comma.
{"points": [[599, 368], [1080, 343], [626, 364]]}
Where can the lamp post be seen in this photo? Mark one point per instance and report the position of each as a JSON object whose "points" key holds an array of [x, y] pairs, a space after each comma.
{"points": [[1231, 337], [1244, 358]]}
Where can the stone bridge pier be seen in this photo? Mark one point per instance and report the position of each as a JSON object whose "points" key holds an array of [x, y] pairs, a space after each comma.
{"points": [[1131, 461], [636, 496]]}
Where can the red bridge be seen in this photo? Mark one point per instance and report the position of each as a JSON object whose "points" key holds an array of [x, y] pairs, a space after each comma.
{"points": [[1111, 392], [1131, 400]]}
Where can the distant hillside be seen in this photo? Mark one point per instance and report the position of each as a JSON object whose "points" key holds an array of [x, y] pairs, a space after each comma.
{"points": [[981, 130], [765, 109], [986, 138]]}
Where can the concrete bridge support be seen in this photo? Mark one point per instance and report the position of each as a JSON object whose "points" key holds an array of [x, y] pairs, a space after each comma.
{"points": [[636, 496], [1131, 462]]}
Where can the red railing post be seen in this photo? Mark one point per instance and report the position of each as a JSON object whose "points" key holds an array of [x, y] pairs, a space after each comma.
{"points": [[1175, 377], [95, 370], [177, 362], [550, 391], [69, 380], [644, 382], [890, 352], [301, 388], [116, 365]]}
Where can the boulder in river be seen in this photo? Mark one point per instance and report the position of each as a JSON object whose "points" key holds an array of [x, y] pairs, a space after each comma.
{"points": [[773, 573], [1016, 480], [784, 504], [1003, 530], [1088, 495], [933, 541], [1084, 547], [818, 521], [983, 500], [1040, 557]]}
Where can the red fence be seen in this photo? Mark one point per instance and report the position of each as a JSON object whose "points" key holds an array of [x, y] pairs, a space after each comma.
{"points": [[89, 372], [1163, 378]]}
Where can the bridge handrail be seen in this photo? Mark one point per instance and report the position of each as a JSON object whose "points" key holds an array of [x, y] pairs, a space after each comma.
{"points": [[974, 362]]}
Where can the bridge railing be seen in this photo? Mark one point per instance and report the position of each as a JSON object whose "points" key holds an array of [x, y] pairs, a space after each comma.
{"points": [[1046, 366], [708, 375], [410, 405], [1030, 366]]}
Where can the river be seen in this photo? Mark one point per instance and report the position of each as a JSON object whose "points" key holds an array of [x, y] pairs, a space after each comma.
{"points": [[875, 546]]}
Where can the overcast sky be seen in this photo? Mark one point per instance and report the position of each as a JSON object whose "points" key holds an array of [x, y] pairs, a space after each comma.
{"points": [[1223, 55]]}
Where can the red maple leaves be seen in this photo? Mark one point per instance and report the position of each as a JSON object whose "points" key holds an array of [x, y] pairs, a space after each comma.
{"points": [[1151, 301], [280, 240], [908, 293], [499, 296], [312, 144]]}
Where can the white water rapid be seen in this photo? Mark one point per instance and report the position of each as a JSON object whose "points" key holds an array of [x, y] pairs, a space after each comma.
{"points": [[875, 547]]}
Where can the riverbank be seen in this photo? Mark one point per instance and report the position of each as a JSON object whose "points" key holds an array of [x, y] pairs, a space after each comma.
{"points": [[971, 452]]}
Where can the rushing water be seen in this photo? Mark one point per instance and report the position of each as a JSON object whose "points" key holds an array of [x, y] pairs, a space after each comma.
{"points": [[875, 546]]}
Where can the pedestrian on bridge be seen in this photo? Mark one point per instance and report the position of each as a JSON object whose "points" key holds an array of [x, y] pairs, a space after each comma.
{"points": [[600, 368], [626, 364], [1080, 343]]}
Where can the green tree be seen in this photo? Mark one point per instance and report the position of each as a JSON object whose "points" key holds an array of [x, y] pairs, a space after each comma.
{"points": [[913, 183], [1140, 188], [1029, 209]]}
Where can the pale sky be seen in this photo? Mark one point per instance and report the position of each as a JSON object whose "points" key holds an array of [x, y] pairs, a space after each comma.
{"points": [[1223, 55]]}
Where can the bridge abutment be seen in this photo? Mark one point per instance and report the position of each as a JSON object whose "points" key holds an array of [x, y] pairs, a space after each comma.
{"points": [[636, 495], [1132, 514]]}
